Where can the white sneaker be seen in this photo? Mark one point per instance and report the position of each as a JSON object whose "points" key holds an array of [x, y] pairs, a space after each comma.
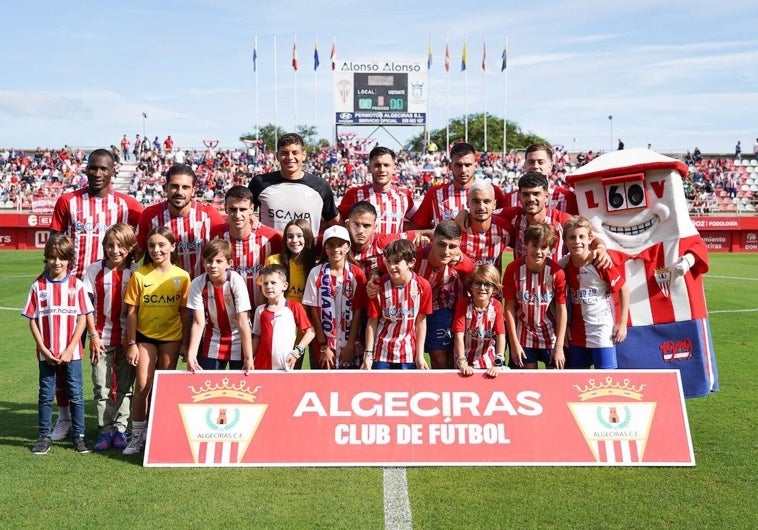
{"points": [[61, 431], [136, 443]]}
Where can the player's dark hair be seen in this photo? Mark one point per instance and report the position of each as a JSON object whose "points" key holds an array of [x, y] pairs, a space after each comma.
{"points": [[181, 169], [448, 229], [306, 259], [400, 248], [289, 139], [168, 234], [381, 151], [239, 192], [58, 246], [102, 152], [540, 147], [533, 179], [462, 149], [361, 207], [216, 246]]}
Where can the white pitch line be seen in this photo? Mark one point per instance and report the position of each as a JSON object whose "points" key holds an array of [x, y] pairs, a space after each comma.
{"points": [[730, 278], [397, 506], [733, 311], [11, 308]]}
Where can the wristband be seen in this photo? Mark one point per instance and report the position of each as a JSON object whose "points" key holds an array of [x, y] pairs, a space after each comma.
{"points": [[131, 343], [368, 354], [300, 351]]}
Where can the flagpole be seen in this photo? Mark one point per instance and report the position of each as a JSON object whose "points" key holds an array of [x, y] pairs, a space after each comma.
{"points": [[429, 98], [294, 67], [447, 102], [257, 100], [484, 76], [333, 61], [504, 68], [465, 90], [315, 80], [276, 102]]}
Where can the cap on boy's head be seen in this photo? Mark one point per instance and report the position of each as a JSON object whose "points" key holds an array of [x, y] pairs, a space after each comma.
{"points": [[340, 232]]}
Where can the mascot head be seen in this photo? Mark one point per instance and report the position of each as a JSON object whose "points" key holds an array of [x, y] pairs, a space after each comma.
{"points": [[633, 198]]}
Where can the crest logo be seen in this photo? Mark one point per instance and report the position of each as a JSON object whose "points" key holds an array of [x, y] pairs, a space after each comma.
{"points": [[417, 90], [663, 279], [220, 421], [344, 88], [613, 419]]}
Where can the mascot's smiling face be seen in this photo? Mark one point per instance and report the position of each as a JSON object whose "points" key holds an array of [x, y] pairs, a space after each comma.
{"points": [[633, 199]]}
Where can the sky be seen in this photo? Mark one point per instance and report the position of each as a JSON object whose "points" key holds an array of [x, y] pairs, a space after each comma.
{"points": [[676, 76]]}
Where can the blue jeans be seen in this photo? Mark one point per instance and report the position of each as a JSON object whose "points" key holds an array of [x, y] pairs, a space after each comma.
{"points": [[75, 391]]}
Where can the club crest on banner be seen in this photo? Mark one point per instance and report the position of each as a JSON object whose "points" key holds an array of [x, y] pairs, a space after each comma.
{"points": [[220, 421], [615, 430]]}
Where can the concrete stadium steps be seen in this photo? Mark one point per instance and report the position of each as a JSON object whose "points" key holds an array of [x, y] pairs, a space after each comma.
{"points": [[123, 178]]}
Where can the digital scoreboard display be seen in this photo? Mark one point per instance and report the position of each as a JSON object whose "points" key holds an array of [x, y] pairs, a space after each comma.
{"points": [[376, 92]]}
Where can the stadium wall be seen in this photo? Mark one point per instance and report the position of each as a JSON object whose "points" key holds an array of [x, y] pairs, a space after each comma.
{"points": [[29, 231]]}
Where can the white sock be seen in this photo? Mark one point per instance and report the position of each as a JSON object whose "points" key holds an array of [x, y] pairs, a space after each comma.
{"points": [[64, 413], [138, 426]]}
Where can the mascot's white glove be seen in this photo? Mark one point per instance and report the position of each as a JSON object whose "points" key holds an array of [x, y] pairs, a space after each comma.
{"points": [[684, 264]]}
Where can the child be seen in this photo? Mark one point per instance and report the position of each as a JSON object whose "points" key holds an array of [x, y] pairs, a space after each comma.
{"points": [[276, 324], [478, 329], [335, 295], [157, 323], [396, 328], [534, 290], [56, 308], [220, 308], [296, 257], [593, 330], [112, 377]]}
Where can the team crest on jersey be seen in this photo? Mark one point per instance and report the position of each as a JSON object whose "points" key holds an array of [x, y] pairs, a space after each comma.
{"points": [[43, 295], [663, 279], [177, 283]]}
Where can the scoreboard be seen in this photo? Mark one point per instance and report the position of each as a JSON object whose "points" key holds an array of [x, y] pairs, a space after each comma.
{"points": [[380, 93]]}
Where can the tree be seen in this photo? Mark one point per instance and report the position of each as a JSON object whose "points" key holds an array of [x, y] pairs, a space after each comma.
{"points": [[517, 139], [268, 133]]}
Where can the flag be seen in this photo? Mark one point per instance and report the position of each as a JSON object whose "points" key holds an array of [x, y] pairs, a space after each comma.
{"points": [[255, 54], [464, 57], [504, 56], [294, 56], [484, 55], [333, 55], [315, 56], [447, 58], [429, 56]]}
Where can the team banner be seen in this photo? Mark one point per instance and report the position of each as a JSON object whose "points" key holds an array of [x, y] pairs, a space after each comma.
{"points": [[348, 418]]}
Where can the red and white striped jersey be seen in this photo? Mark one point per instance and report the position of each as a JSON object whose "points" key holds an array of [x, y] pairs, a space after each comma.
{"points": [[443, 202], [277, 331], [517, 218], [534, 293], [371, 257], [562, 199], [591, 301], [55, 305], [447, 282], [480, 328], [221, 304], [192, 231], [335, 299], [107, 287], [85, 219], [487, 246], [249, 254], [397, 307], [392, 206], [656, 295]]}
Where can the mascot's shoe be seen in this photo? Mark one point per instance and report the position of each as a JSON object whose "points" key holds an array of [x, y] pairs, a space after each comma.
{"points": [[104, 442], [118, 441]]}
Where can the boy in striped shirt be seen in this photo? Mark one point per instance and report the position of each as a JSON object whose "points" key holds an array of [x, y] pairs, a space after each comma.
{"points": [[56, 308], [534, 290], [112, 376], [220, 308], [396, 328]]}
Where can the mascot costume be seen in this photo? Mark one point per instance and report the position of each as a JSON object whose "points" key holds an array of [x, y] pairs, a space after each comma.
{"points": [[634, 199]]}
